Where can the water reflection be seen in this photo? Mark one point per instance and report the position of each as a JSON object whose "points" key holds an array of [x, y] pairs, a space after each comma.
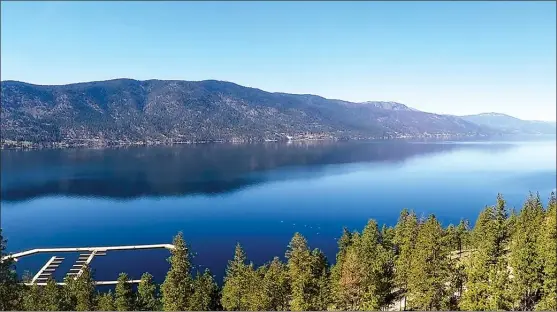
{"points": [[128, 173]]}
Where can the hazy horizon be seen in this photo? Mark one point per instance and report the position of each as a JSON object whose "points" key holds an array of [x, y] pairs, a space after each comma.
{"points": [[457, 58]]}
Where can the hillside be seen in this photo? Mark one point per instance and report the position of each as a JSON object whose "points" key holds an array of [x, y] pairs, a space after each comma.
{"points": [[126, 111], [509, 124]]}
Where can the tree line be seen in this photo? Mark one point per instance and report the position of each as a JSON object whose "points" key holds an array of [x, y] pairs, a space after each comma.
{"points": [[507, 261]]}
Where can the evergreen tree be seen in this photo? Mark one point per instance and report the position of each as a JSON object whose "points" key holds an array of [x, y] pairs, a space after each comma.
{"points": [[147, 299], [351, 283], [430, 272], [52, 296], [235, 295], [457, 240], [106, 302], [524, 258], [406, 231], [34, 298], [547, 249], [376, 265], [68, 294], [344, 242], [124, 294], [320, 278], [276, 287], [11, 292], [487, 274], [83, 288], [178, 285], [300, 274], [205, 295], [255, 293]]}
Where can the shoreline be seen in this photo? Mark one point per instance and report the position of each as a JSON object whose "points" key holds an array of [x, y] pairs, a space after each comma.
{"points": [[28, 145]]}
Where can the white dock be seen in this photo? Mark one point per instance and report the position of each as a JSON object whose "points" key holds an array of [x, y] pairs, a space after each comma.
{"points": [[97, 283], [80, 249], [46, 271], [85, 258]]}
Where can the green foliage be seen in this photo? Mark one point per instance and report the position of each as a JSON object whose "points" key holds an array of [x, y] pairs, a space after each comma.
{"points": [[206, 293], [34, 298], [52, 296], [301, 273], [405, 233], [10, 289], [275, 287], [83, 290], [320, 280], [506, 262], [365, 281], [524, 258], [106, 301], [430, 271], [547, 250], [487, 272], [235, 292], [178, 285], [147, 299], [344, 242], [124, 300]]}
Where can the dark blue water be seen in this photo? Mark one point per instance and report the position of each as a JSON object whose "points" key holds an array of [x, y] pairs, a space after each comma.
{"points": [[258, 195]]}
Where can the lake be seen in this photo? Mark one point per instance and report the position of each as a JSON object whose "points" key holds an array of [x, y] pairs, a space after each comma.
{"points": [[258, 195]]}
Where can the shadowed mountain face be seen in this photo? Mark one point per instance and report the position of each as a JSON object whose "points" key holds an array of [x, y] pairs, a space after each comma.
{"points": [[513, 125], [128, 173], [127, 110]]}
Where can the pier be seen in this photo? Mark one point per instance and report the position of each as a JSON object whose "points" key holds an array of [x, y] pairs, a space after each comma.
{"points": [[85, 257]]}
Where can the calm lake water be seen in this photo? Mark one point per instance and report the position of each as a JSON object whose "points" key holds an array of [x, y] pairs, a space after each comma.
{"points": [[258, 195]]}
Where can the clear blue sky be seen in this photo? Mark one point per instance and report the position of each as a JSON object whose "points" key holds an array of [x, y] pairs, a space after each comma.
{"points": [[445, 57]]}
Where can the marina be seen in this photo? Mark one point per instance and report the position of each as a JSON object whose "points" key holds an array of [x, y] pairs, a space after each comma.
{"points": [[87, 254]]}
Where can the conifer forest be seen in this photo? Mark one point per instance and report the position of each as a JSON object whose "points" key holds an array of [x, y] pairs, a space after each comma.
{"points": [[506, 259]]}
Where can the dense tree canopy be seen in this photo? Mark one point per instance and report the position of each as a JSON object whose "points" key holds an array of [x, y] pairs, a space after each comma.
{"points": [[507, 261]]}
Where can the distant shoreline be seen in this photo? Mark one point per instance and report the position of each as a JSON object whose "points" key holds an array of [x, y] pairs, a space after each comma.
{"points": [[28, 145]]}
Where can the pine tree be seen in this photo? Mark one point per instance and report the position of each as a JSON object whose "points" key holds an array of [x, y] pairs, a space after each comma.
{"points": [[34, 298], [429, 275], [106, 302], [83, 289], [344, 242], [406, 231], [487, 274], [205, 295], [178, 285], [459, 241], [547, 249], [524, 258], [235, 292], [255, 294], [351, 283], [124, 294], [320, 276], [11, 292], [147, 299], [68, 294], [52, 296], [300, 274], [376, 265], [276, 287]]}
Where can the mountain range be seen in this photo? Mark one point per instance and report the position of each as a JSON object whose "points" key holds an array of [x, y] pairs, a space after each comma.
{"points": [[512, 125], [126, 111]]}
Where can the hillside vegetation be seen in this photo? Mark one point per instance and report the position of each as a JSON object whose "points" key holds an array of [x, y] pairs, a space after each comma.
{"points": [[126, 111], [506, 262]]}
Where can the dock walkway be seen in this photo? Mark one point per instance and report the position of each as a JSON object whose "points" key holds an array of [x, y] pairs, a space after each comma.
{"points": [[85, 257]]}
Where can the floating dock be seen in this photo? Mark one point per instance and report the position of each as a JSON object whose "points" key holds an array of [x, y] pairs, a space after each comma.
{"points": [[85, 257]]}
